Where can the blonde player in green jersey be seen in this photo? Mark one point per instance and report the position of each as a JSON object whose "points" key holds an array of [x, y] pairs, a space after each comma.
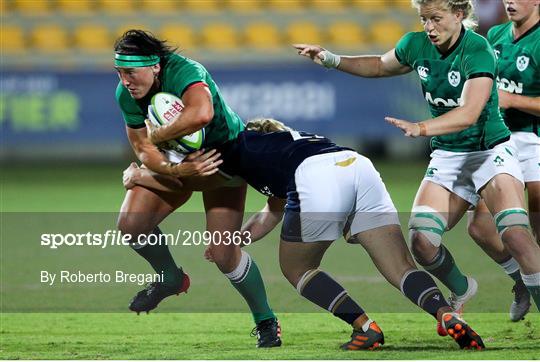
{"points": [[517, 47], [473, 155], [147, 65]]}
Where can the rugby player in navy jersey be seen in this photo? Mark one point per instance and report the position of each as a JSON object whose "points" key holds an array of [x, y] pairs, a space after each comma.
{"points": [[322, 191]]}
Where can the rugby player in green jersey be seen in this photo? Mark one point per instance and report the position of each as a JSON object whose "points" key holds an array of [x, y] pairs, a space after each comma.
{"points": [[473, 155], [322, 191], [517, 48], [146, 66]]}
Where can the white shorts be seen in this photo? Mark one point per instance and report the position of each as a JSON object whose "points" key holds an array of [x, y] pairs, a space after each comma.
{"points": [[465, 173], [335, 194], [528, 146]]}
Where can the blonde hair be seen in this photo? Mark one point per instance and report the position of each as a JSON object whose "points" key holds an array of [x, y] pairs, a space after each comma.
{"points": [[266, 125], [465, 6]]}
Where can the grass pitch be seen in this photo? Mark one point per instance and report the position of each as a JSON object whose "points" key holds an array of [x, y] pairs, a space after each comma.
{"points": [[207, 323], [226, 336]]}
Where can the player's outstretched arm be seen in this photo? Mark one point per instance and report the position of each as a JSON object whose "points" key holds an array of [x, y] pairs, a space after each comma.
{"points": [[474, 97], [525, 104], [264, 221], [142, 176], [197, 113], [369, 66]]}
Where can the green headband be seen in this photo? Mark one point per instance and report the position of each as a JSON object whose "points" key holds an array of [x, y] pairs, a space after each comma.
{"points": [[134, 61]]}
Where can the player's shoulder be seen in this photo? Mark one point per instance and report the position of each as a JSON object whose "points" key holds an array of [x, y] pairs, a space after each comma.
{"points": [[534, 40], [474, 41], [414, 38], [498, 31], [122, 96], [177, 63], [263, 137], [120, 89]]}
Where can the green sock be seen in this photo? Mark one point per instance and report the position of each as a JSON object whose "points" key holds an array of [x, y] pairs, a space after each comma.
{"points": [[535, 294], [532, 282], [246, 278], [159, 256], [445, 269]]}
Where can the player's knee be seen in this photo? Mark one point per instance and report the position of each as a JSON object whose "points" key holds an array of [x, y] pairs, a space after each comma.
{"points": [[476, 231], [293, 275], [132, 224], [511, 223], [224, 263], [421, 248], [426, 227], [517, 238], [226, 258]]}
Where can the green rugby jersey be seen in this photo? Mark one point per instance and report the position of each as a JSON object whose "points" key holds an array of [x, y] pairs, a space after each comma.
{"points": [[519, 71], [176, 76], [442, 77]]}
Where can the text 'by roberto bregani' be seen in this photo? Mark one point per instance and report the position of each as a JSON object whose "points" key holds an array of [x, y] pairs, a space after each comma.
{"points": [[77, 276]]}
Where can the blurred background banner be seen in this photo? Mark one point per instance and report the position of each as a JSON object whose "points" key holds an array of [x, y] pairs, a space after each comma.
{"points": [[58, 109], [47, 108], [57, 79]]}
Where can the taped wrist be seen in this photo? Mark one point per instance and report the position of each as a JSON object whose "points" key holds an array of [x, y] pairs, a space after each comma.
{"points": [[329, 59]]}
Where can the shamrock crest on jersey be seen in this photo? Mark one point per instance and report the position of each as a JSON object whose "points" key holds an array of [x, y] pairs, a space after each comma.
{"points": [[522, 62], [519, 71], [469, 58], [454, 78]]}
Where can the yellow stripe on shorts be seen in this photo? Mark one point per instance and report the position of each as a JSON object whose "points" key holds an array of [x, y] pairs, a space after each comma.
{"points": [[346, 163]]}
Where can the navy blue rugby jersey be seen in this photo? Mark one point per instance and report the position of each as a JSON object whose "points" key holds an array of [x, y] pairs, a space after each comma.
{"points": [[268, 161]]}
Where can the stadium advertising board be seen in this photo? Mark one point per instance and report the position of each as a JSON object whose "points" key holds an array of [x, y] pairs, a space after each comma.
{"points": [[68, 108]]}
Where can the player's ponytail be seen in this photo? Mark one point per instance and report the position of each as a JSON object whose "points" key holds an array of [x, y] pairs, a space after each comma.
{"points": [[465, 6], [266, 125]]}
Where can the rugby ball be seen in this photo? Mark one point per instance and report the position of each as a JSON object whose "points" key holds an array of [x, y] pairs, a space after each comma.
{"points": [[165, 107]]}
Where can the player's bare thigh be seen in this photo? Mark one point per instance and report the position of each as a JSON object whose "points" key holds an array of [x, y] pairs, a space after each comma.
{"points": [[388, 250], [144, 209], [503, 192], [296, 258], [224, 213]]}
